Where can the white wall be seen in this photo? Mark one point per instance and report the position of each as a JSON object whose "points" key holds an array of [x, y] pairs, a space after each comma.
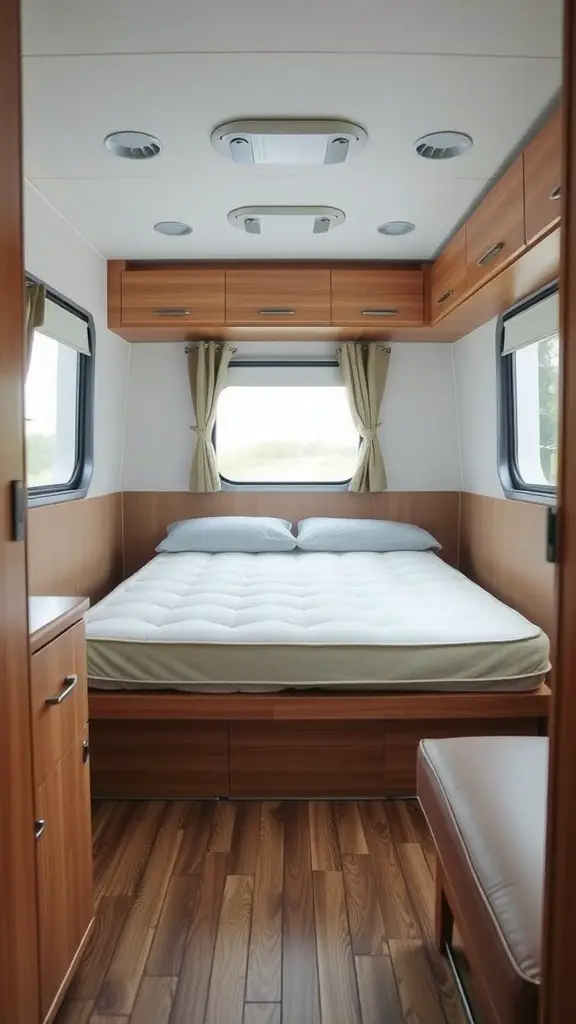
{"points": [[476, 393], [57, 254], [419, 425]]}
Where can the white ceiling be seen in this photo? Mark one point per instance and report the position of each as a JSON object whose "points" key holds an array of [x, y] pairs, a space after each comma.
{"points": [[487, 68]]}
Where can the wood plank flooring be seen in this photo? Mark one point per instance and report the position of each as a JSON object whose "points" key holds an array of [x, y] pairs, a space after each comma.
{"points": [[262, 913]]}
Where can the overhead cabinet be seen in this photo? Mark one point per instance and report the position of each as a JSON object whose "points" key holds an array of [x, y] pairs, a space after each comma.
{"points": [[495, 230], [543, 178], [167, 297], [367, 296], [257, 296], [448, 277]]}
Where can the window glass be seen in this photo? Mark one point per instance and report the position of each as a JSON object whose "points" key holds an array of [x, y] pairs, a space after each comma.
{"points": [[536, 388], [51, 413], [285, 434]]}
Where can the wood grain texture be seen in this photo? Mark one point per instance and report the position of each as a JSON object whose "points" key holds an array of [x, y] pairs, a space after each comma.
{"points": [[262, 1013], [264, 981], [250, 290], [196, 291], [364, 914], [498, 220], [351, 838], [114, 271], [397, 913], [503, 548], [48, 617], [543, 178], [18, 919], [418, 994], [300, 992], [154, 1001], [379, 1000], [167, 951], [323, 837], [147, 513], [338, 988], [227, 984], [245, 839], [75, 547], [360, 293], [54, 727], [448, 277]]}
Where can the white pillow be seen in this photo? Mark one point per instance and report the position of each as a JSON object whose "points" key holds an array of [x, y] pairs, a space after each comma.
{"points": [[362, 535], [229, 533]]}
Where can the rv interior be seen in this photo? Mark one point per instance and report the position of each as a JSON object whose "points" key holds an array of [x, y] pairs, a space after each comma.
{"points": [[287, 592]]}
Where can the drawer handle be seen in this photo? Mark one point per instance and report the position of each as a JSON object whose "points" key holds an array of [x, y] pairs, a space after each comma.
{"points": [[172, 311], [85, 751], [490, 253], [445, 296], [69, 684], [277, 311], [379, 312], [556, 193], [39, 827]]}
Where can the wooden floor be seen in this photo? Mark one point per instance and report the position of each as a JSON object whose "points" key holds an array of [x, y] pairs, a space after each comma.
{"points": [[262, 913]]}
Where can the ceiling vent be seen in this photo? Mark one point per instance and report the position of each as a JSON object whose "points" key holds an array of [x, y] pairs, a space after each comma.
{"points": [[285, 141], [173, 228], [133, 145], [443, 145], [286, 222], [397, 227]]}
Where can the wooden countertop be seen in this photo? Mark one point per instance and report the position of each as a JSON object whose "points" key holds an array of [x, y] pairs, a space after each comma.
{"points": [[48, 617]]}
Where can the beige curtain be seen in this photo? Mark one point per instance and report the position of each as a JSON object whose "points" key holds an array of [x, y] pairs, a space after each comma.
{"points": [[364, 370], [35, 304], [207, 367]]}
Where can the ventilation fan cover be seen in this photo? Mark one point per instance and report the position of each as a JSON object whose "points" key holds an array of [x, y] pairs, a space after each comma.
{"points": [[443, 145], [286, 221], [305, 142], [133, 145]]}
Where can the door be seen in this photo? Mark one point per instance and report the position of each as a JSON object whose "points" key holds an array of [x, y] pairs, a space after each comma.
{"points": [[64, 866], [18, 921]]}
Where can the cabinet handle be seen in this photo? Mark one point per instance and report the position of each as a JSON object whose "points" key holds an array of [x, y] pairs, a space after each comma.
{"points": [[445, 296], [379, 312], [277, 311], [172, 311], [490, 253], [39, 827], [556, 193], [85, 751], [69, 684]]}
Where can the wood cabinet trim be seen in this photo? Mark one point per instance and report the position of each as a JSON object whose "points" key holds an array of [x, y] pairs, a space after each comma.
{"points": [[49, 617], [542, 178], [495, 233]]}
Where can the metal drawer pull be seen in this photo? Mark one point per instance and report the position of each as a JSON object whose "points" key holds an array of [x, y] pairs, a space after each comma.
{"points": [[556, 193], [85, 751], [172, 311], [277, 311], [379, 312], [445, 296], [69, 684], [39, 827], [490, 253]]}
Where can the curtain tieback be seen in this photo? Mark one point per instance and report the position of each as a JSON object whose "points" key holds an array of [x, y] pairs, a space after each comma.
{"points": [[202, 435], [371, 433]]}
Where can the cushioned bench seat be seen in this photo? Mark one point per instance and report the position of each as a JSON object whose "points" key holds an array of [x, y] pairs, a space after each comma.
{"points": [[485, 802]]}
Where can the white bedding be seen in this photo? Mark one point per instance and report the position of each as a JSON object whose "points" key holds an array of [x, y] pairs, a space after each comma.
{"points": [[306, 619]]}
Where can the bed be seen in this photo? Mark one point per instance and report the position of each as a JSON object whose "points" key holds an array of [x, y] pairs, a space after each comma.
{"points": [[299, 673]]}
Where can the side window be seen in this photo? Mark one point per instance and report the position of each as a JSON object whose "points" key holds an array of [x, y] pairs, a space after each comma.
{"points": [[529, 358], [285, 424], [59, 403]]}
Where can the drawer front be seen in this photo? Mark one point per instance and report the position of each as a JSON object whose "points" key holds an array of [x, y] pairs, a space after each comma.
{"points": [[276, 296], [59, 698], [495, 231], [542, 178], [448, 277], [173, 297], [387, 296]]}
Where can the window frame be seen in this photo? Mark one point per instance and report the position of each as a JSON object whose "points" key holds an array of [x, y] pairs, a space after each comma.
{"points": [[261, 485], [512, 483], [77, 486]]}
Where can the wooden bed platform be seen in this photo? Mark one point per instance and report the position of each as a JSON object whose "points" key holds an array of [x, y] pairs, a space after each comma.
{"points": [[184, 745]]}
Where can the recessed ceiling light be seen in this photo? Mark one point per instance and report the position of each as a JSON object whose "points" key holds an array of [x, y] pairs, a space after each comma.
{"points": [[443, 145], [304, 142], [287, 221], [133, 145], [396, 227], [173, 228]]}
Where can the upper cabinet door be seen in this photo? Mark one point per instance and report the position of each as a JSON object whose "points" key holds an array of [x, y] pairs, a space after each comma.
{"points": [[192, 295], [264, 297], [368, 296], [495, 231], [448, 277], [542, 178]]}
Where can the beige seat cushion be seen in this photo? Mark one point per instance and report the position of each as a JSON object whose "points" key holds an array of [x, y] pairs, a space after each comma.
{"points": [[485, 801]]}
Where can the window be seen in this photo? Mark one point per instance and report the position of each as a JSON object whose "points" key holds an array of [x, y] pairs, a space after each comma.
{"points": [[59, 404], [529, 362], [285, 424]]}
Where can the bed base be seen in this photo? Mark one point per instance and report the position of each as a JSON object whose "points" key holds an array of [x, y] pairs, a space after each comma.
{"points": [[183, 745]]}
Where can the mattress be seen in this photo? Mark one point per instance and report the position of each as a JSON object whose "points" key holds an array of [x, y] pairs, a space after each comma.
{"points": [[254, 622]]}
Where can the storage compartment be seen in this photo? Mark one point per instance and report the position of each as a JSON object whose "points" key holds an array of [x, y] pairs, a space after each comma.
{"points": [[448, 277], [268, 297], [542, 178], [59, 698], [173, 298], [368, 296], [495, 231]]}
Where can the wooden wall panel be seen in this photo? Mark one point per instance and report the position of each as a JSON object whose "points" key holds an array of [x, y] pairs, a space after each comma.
{"points": [[503, 548], [75, 547], [147, 513]]}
